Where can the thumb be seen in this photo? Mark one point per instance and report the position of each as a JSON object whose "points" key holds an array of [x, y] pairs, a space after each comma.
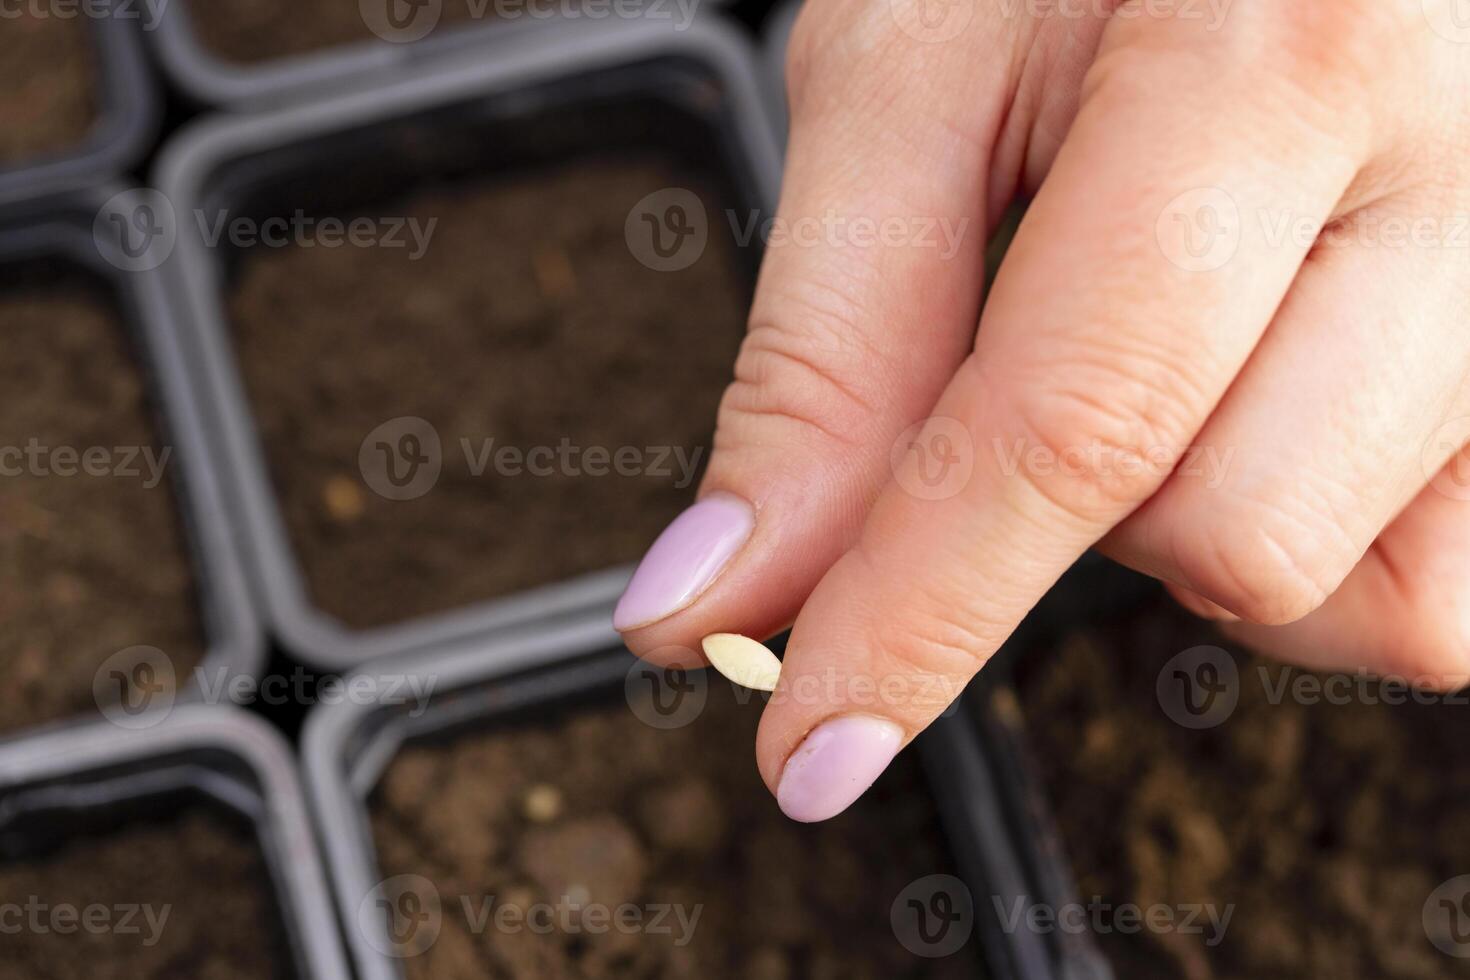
{"points": [[867, 302]]}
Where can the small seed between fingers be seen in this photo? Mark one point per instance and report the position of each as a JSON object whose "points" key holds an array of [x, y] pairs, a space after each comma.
{"points": [[743, 661]]}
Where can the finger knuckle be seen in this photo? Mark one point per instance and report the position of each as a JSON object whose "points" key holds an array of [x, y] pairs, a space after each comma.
{"points": [[1271, 570], [1104, 434], [803, 374], [1349, 40], [1324, 59], [942, 640], [923, 663]]}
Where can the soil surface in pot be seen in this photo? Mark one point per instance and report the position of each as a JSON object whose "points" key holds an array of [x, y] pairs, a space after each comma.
{"points": [[598, 809], [250, 31], [572, 391], [189, 898], [1323, 828], [92, 560], [48, 82]]}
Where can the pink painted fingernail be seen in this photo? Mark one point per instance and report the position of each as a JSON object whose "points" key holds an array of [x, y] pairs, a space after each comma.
{"points": [[835, 765], [685, 559]]}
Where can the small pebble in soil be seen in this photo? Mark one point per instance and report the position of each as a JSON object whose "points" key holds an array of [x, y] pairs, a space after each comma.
{"points": [[543, 803], [343, 498], [743, 661]]}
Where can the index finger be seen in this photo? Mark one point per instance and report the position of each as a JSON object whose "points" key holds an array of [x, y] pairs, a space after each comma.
{"points": [[1135, 291]]}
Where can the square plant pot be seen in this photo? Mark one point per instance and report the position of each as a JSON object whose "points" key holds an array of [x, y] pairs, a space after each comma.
{"points": [[554, 807], [259, 52], [122, 585], [381, 416], [1260, 820], [179, 849], [82, 106]]}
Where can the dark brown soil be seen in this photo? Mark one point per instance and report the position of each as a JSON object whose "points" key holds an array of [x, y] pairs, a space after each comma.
{"points": [[188, 900], [605, 808], [529, 322], [249, 31], [1327, 826], [48, 84], [90, 565]]}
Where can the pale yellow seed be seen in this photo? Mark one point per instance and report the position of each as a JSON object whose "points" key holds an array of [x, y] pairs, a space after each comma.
{"points": [[743, 661]]}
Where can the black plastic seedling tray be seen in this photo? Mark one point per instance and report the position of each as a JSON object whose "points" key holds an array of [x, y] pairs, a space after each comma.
{"points": [[535, 672], [1037, 871], [128, 112], [81, 230], [89, 779], [408, 36], [709, 71], [206, 78]]}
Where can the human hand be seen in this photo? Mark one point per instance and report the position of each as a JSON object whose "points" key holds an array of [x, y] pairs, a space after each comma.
{"points": [[1228, 346]]}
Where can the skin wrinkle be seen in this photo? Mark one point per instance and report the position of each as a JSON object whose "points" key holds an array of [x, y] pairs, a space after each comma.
{"points": [[766, 348], [1246, 592]]}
